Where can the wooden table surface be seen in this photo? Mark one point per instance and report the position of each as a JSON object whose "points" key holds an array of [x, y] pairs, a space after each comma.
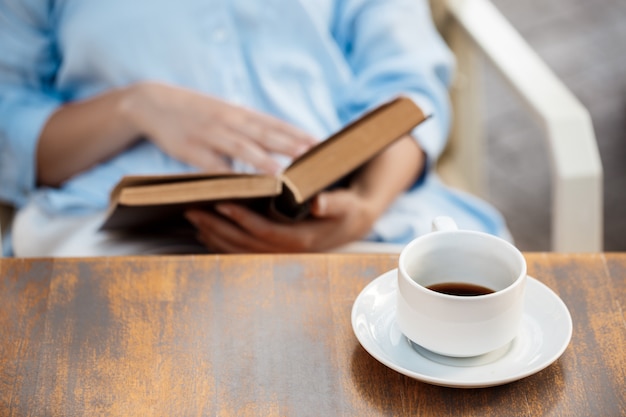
{"points": [[268, 335]]}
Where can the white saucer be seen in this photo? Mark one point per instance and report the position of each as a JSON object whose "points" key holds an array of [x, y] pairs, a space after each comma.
{"points": [[544, 336]]}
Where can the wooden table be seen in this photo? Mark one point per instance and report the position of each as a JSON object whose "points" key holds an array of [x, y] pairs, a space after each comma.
{"points": [[268, 335]]}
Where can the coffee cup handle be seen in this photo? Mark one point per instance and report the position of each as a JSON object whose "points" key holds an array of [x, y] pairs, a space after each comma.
{"points": [[444, 224]]}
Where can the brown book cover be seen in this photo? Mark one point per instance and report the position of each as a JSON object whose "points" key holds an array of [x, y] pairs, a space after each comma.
{"points": [[147, 200]]}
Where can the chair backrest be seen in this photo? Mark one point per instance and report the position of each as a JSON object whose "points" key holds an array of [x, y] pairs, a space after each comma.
{"points": [[462, 164]]}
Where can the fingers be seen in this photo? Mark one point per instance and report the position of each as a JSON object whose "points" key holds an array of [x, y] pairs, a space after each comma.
{"points": [[278, 237], [239, 230], [252, 138], [220, 235], [333, 204], [232, 143], [277, 139], [204, 130], [284, 138], [208, 161], [271, 133]]}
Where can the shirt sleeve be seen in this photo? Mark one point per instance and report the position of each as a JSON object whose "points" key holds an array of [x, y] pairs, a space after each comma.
{"points": [[28, 64], [394, 48]]}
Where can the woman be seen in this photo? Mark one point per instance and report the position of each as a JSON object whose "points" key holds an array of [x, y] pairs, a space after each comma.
{"points": [[91, 91]]}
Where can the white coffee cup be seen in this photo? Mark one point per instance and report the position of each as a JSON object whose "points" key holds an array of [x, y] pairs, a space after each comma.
{"points": [[456, 325]]}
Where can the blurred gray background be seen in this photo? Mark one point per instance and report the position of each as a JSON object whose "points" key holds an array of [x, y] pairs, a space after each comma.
{"points": [[584, 42]]}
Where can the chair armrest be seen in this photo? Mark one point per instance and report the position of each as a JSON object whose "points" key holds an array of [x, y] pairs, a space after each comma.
{"points": [[577, 222]]}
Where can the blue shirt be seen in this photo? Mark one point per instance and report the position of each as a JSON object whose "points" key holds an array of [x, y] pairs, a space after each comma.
{"points": [[317, 64]]}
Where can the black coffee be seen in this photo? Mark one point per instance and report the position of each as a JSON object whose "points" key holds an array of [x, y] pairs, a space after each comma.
{"points": [[460, 288]]}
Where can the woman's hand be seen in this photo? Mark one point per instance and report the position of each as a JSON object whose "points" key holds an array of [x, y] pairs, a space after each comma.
{"points": [[338, 217], [194, 128], [205, 132]]}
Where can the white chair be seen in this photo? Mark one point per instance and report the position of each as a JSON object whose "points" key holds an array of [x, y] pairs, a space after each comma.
{"points": [[475, 29]]}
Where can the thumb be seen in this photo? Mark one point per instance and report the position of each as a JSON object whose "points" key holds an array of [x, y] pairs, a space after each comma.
{"points": [[332, 204]]}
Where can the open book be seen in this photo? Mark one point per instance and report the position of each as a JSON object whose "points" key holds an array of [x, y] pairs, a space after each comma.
{"points": [[139, 201]]}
